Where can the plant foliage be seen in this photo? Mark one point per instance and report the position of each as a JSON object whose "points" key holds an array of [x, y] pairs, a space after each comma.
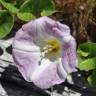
{"points": [[6, 23], [87, 52], [24, 10]]}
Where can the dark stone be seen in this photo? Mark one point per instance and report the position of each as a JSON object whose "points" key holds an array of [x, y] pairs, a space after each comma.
{"points": [[1, 51]]}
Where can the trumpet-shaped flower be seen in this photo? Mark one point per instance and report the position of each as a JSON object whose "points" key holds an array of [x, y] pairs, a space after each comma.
{"points": [[44, 52]]}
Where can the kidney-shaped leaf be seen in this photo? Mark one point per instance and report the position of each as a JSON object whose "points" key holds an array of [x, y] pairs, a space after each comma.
{"points": [[25, 16], [6, 23], [88, 64], [82, 53], [19, 3], [36, 6], [9, 6], [92, 79], [89, 48], [47, 12]]}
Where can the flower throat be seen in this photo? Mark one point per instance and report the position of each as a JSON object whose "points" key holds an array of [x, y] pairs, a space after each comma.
{"points": [[52, 49]]}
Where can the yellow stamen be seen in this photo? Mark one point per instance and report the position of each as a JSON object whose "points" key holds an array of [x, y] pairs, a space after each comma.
{"points": [[55, 44], [52, 48]]}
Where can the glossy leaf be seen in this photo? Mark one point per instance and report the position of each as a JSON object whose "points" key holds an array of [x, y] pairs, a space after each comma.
{"points": [[36, 6], [88, 64], [88, 48], [9, 6], [92, 79], [25, 16], [82, 53], [6, 23], [47, 12], [79, 60], [10, 1], [19, 3]]}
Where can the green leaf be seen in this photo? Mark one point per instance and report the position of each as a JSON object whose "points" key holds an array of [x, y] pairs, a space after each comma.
{"points": [[9, 6], [89, 48], [16, 3], [88, 64], [6, 23], [36, 6], [9, 1], [47, 12], [92, 79], [82, 53], [19, 3], [79, 60], [25, 16]]}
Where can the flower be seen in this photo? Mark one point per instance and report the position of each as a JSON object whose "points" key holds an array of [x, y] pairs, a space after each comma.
{"points": [[44, 52]]}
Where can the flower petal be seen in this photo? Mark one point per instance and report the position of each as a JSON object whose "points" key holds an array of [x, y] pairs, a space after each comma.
{"points": [[47, 75], [72, 53], [26, 62], [44, 27], [60, 69], [62, 32], [69, 56], [26, 53], [64, 28]]}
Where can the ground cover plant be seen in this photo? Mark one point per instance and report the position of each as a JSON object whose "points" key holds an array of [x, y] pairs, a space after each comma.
{"points": [[79, 15]]}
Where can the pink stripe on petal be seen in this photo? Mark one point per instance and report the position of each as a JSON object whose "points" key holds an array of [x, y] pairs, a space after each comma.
{"points": [[72, 53], [63, 28], [48, 76], [65, 62], [26, 62], [69, 56]]}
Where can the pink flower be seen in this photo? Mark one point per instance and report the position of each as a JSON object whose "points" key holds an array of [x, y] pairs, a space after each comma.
{"points": [[44, 52]]}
